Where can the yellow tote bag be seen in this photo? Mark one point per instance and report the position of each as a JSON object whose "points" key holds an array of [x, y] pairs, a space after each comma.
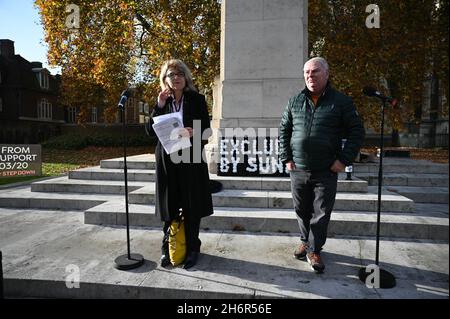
{"points": [[177, 242]]}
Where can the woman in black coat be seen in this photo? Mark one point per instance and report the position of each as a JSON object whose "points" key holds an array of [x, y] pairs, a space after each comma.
{"points": [[182, 185]]}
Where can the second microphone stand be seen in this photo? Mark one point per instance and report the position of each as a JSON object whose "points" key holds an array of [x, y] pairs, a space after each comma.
{"points": [[385, 279]]}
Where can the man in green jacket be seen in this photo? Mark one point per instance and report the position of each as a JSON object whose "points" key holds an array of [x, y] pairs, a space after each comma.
{"points": [[311, 131]]}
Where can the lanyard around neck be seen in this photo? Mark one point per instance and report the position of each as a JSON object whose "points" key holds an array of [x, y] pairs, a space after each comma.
{"points": [[180, 105]]}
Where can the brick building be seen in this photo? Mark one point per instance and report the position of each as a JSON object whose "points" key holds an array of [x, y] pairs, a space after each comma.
{"points": [[29, 110], [29, 107]]}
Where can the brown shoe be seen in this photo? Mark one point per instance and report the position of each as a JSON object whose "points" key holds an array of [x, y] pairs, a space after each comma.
{"points": [[316, 262], [300, 252]]}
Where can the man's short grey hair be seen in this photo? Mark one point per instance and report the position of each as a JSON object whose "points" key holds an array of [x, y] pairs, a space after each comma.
{"points": [[321, 61]]}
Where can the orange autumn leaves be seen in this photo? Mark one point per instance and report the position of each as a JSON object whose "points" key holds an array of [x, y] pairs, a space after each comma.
{"points": [[398, 58], [109, 52]]}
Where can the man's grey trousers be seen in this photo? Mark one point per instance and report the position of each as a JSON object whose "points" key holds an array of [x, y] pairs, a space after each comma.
{"points": [[313, 194]]}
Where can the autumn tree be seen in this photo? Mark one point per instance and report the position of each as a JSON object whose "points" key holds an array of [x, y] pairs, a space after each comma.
{"points": [[410, 44], [111, 49], [188, 30]]}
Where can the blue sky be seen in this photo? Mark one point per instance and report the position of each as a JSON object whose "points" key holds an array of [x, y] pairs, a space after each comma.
{"points": [[20, 22]]}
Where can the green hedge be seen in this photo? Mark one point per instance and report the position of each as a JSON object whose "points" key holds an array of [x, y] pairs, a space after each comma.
{"points": [[79, 141]]}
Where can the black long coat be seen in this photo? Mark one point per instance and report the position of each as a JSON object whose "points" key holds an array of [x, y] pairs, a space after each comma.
{"points": [[183, 185]]}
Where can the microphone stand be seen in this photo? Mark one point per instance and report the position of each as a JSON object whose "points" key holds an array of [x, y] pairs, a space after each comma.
{"points": [[386, 279], [1, 276], [127, 261]]}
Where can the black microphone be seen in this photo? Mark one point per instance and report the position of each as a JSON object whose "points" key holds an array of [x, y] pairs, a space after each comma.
{"points": [[370, 91], [143, 21], [123, 99]]}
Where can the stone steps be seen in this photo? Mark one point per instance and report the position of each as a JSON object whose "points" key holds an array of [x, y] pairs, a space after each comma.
{"points": [[23, 197], [422, 194], [109, 209], [402, 165], [144, 161], [390, 165], [258, 183], [143, 193], [65, 185], [355, 185], [106, 187], [113, 174], [420, 224], [407, 179], [283, 199], [255, 204]]}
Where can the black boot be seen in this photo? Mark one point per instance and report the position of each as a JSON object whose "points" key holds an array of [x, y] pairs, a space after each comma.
{"points": [[165, 257], [191, 259], [165, 261]]}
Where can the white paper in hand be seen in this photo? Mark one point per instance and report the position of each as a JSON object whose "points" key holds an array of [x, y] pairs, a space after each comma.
{"points": [[169, 128]]}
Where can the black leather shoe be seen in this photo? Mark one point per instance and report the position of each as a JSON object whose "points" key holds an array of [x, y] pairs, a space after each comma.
{"points": [[191, 260], [165, 261]]}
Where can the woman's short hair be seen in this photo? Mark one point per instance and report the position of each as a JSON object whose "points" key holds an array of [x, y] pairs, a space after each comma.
{"points": [[180, 67]]}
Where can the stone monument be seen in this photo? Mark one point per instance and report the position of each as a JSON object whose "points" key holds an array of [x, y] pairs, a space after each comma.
{"points": [[264, 45]]}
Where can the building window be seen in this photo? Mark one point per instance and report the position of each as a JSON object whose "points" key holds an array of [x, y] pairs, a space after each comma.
{"points": [[43, 80], [45, 110], [1, 105], [94, 115], [72, 114]]}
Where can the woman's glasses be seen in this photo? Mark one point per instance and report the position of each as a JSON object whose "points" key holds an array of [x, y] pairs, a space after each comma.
{"points": [[172, 75]]}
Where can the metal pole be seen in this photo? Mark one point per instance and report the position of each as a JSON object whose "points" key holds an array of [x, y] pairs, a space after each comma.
{"points": [[127, 261], [386, 279], [380, 182], [1, 276], [126, 180]]}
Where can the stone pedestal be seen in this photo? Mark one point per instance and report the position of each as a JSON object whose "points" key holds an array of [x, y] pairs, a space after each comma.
{"points": [[264, 45]]}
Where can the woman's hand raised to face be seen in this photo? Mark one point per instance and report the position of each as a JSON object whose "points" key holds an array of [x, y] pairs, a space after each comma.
{"points": [[163, 96]]}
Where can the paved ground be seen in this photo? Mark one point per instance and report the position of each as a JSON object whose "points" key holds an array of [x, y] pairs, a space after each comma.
{"points": [[43, 249]]}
